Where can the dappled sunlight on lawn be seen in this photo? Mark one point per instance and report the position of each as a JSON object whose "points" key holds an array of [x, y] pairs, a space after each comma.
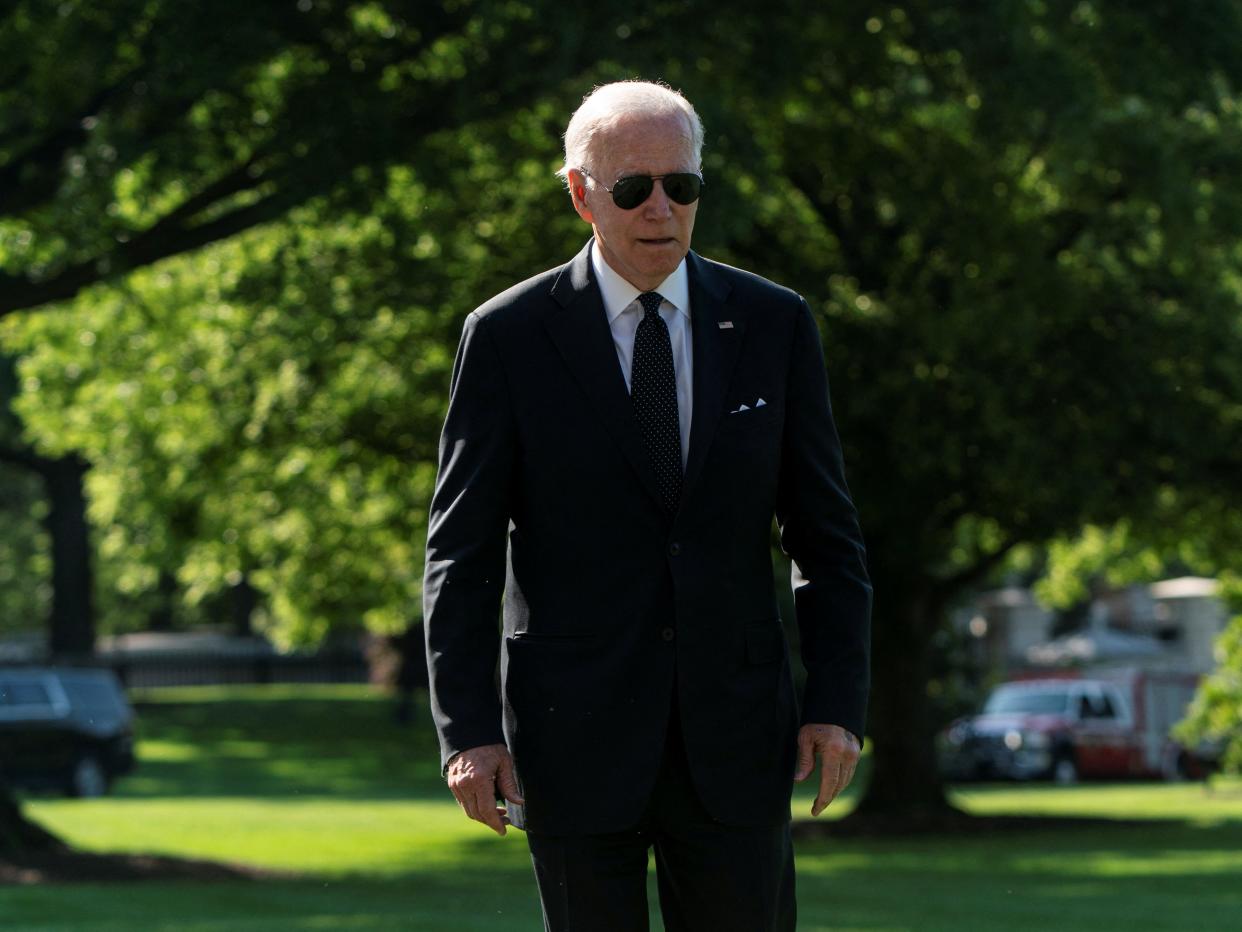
{"points": [[277, 742], [325, 787]]}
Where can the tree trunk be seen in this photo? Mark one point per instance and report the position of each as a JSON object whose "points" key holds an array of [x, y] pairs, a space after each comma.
{"points": [[412, 673], [161, 616], [905, 780], [72, 629], [18, 835], [244, 599]]}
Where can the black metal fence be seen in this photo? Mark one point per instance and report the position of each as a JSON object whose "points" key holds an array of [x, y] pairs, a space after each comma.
{"points": [[201, 668]]}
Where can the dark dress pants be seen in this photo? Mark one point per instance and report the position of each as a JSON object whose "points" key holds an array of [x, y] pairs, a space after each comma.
{"points": [[711, 877]]}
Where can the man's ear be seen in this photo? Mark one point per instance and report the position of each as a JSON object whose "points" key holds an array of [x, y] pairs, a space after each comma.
{"points": [[578, 192]]}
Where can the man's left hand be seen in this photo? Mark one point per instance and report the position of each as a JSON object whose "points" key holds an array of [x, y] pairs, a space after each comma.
{"points": [[837, 750]]}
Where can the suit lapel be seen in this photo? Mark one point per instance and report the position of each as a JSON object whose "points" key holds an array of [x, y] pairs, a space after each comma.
{"points": [[716, 350], [579, 328]]}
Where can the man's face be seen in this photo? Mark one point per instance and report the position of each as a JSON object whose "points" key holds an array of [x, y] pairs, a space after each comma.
{"points": [[643, 245]]}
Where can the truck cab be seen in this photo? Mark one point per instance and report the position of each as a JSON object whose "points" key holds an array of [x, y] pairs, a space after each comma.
{"points": [[1059, 729]]}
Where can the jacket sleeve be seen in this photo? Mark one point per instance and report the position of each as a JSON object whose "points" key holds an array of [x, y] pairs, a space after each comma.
{"points": [[820, 533], [466, 542]]}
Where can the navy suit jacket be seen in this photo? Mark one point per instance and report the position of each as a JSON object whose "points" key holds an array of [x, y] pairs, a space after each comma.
{"points": [[546, 500]]}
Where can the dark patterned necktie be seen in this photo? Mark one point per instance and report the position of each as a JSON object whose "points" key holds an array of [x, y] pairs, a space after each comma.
{"points": [[653, 389]]}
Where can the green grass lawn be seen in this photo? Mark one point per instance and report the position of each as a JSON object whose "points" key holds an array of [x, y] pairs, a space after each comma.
{"points": [[319, 781]]}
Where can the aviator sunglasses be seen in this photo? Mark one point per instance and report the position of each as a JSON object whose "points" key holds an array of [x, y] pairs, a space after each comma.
{"points": [[632, 190]]}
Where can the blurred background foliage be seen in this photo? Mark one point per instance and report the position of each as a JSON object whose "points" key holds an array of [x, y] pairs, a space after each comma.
{"points": [[238, 240]]}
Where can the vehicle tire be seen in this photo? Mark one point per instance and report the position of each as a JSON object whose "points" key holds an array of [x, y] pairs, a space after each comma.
{"points": [[1177, 768], [1064, 770], [89, 778]]}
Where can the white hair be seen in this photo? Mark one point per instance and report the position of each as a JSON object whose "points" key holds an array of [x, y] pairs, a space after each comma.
{"points": [[609, 104]]}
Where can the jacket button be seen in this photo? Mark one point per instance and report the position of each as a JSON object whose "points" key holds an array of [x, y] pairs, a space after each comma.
{"points": [[674, 549], [668, 634]]}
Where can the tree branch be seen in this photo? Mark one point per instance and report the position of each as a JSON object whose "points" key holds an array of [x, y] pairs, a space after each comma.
{"points": [[158, 242], [974, 574], [33, 176], [348, 145], [26, 459]]}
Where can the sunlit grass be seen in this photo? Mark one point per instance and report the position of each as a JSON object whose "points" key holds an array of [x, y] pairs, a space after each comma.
{"points": [[317, 834], [321, 783], [1206, 804], [314, 778]]}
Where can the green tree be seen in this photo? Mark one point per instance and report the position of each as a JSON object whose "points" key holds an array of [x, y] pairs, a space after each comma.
{"points": [[1021, 225], [1215, 717], [273, 424], [24, 577], [61, 510], [135, 132]]}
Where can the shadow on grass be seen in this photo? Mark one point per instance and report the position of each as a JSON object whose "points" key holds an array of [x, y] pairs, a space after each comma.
{"points": [[1165, 876]]}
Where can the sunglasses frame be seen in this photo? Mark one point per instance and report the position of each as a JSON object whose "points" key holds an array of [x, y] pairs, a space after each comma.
{"points": [[652, 179]]}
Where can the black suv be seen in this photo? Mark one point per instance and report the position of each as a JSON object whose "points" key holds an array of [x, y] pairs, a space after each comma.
{"points": [[64, 729]]}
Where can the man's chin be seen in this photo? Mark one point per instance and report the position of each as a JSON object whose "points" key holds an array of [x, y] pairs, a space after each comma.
{"points": [[659, 261]]}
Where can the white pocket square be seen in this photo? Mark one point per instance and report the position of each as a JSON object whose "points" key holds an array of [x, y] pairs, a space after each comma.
{"points": [[740, 408]]}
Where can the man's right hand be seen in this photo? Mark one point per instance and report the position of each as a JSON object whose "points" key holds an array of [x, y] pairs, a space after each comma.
{"points": [[480, 775]]}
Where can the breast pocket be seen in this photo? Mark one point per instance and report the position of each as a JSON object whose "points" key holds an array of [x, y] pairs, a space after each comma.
{"points": [[751, 428]]}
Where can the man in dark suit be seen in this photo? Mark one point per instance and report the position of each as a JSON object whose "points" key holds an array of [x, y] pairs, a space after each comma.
{"points": [[621, 431]]}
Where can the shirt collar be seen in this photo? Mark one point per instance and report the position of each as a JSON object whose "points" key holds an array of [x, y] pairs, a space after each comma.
{"points": [[618, 294]]}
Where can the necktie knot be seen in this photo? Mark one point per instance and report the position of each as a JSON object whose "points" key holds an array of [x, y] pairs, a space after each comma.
{"points": [[651, 301]]}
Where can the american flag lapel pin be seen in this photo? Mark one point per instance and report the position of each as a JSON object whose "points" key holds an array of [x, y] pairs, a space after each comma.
{"points": [[725, 324]]}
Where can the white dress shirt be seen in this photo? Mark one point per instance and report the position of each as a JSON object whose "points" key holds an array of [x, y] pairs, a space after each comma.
{"points": [[624, 312]]}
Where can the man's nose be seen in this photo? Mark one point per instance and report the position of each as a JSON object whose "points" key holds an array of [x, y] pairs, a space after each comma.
{"points": [[657, 204]]}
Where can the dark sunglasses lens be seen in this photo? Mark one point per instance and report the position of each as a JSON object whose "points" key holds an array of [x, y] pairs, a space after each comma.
{"points": [[628, 193], [683, 187]]}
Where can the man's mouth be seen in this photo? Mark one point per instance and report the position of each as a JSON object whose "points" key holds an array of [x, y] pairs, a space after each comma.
{"points": [[657, 241]]}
